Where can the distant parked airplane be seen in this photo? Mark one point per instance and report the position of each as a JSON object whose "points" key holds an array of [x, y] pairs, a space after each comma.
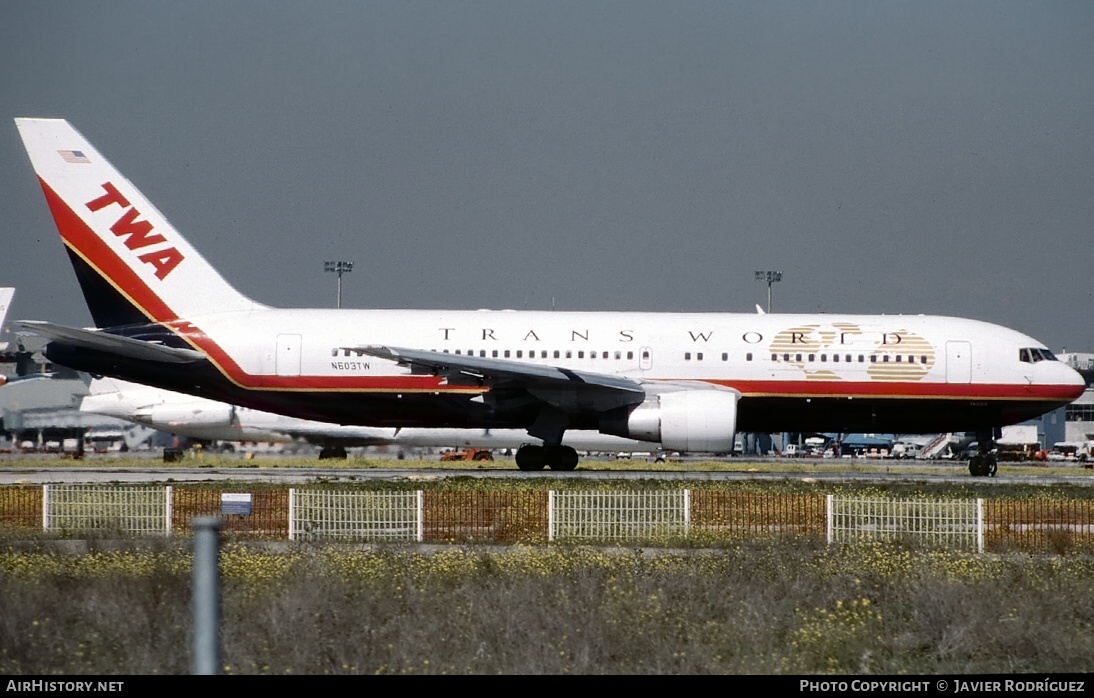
{"points": [[208, 420], [689, 381]]}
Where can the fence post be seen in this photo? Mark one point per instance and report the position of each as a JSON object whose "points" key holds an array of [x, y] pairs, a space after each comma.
{"points": [[687, 513], [829, 503], [205, 658], [168, 511], [45, 507], [419, 534], [550, 515], [292, 513], [979, 525]]}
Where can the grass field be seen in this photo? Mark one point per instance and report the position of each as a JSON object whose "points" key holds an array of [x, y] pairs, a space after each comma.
{"points": [[773, 608], [790, 606]]}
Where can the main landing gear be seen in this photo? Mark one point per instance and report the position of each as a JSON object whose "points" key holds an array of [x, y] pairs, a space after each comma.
{"points": [[332, 453], [531, 457], [984, 463]]}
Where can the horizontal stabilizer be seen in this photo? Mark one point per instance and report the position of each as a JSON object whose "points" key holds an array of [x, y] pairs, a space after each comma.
{"points": [[112, 343]]}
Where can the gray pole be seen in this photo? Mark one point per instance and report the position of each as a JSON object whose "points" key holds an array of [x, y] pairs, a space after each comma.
{"points": [[205, 660], [338, 267], [770, 277]]}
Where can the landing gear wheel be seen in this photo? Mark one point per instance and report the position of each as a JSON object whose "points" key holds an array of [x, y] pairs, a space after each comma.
{"points": [[531, 458], [976, 466], [332, 453], [986, 462], [561, 458]]}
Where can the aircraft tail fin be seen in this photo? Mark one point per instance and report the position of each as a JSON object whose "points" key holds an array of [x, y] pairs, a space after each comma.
{"points": [[6, 294], [133, 266]]}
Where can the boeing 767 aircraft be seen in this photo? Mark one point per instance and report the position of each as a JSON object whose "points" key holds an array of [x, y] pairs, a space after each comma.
{"points": [[165, 317]]}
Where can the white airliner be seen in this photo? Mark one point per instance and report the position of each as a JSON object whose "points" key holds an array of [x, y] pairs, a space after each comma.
{"points": [[201, 418], [165, 317]]}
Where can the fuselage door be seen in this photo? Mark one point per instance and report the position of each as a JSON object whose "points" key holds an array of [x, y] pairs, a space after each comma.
{"points": [[958, 362], [288, 355], [645, 358]]}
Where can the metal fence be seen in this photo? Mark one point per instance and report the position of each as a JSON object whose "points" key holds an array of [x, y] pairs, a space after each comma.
{"points": [[355, 516], [950, 524], [1054, 525], [494, 517], [618, 516], [536, 517], [141, 510], [751, 515]]}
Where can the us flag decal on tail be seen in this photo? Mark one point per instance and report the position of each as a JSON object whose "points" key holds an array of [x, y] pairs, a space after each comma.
{"points": [[74, 156]]}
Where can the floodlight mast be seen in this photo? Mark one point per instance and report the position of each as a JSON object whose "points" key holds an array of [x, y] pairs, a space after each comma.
{"points": [[338, 267], [770, 277]]}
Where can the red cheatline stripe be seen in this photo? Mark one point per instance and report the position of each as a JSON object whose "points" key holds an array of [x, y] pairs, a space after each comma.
{"points": [[903, 390]]}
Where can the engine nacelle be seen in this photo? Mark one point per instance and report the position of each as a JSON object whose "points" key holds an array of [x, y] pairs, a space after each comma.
{"points": [[204, 413], [702, 421]]}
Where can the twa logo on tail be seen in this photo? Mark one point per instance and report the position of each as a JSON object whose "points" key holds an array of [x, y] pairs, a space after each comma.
{"points": [[121, 245], [137, 233]]}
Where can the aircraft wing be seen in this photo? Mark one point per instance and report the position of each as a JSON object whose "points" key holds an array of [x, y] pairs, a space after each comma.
{"points": [[112, 343], [551, 384]]}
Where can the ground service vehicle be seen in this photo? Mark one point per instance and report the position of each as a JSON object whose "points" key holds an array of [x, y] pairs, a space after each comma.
{"points": [[467, 454]]}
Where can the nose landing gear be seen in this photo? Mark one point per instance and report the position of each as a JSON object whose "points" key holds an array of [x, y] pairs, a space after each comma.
{"points": [[985, 463]]}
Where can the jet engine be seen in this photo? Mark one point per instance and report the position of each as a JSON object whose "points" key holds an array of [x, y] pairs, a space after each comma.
{"points": [[162, 416], [702, 421]]}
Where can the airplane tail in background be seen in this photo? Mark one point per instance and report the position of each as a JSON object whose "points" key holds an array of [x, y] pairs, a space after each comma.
{"points": [[133, 266], [6, 294]]}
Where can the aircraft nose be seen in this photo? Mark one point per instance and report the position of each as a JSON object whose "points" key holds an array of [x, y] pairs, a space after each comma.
{"points": [[1072, 378]]}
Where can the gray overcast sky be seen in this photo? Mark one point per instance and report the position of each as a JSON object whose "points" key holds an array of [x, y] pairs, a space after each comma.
{"points": [[889, 157]]}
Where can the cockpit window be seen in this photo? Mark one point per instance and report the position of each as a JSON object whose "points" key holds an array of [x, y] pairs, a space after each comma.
{"points": [[1033, 354]]}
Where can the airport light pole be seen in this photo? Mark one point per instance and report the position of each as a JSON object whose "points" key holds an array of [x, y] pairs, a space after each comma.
{"points": [[338, 267], [770, 277]]}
